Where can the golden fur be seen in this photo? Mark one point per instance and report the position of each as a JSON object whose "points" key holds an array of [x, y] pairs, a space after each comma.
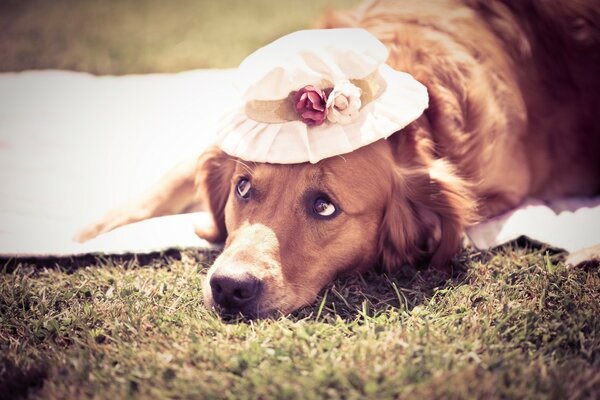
{"points": [[514, 99]]}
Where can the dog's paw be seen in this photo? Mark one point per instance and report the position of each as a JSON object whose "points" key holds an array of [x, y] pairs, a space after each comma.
{"points": [[112, 220], [589, 256], [86, 234], [208, 231]]}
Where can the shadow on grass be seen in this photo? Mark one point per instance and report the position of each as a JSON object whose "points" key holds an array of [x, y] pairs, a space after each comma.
{"points": [[375, 293], [34, 265], [18, 382]]}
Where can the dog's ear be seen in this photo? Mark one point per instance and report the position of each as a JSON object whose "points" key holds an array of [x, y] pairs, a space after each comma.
{"points": [[213, 178], [444, 208], [427, 210]]}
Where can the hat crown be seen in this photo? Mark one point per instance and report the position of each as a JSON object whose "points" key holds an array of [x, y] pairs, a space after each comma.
{"points": [[309, 57]]}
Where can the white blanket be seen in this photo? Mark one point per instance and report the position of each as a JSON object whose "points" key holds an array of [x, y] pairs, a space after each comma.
{"points": [[73, 146]]}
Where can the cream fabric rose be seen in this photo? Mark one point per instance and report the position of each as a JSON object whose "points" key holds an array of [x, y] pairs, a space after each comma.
{"points": [[343, 103]]}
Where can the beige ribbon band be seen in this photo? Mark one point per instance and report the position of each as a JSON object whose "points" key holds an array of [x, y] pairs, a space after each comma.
{"points": [[284, 110]]}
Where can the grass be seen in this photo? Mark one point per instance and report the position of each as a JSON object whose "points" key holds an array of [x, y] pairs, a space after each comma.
{"points": [[139, 36], [512, 323]]}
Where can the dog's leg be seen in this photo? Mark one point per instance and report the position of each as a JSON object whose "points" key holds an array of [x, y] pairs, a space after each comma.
{"points": [[172, 194]]}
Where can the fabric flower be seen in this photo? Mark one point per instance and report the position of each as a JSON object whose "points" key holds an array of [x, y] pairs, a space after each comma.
{"points": [[343, 103], [310, 104]]}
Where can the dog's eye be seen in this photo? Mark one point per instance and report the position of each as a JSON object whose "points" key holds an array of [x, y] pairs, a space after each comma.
{"points": [[242, 188], [323, 207]]}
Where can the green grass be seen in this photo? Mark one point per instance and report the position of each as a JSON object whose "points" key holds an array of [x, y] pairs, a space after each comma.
{"points": [[138, 36], [515, 323]]}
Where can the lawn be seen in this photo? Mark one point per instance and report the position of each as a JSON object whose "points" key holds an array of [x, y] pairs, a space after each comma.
{"points": [[510, 323], [139, 36], [514, 324]]}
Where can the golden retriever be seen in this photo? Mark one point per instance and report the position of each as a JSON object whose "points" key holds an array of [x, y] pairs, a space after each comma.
{"points": [[514, 89]]}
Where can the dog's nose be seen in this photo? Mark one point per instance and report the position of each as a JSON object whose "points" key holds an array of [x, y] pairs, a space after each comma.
{"points": [[235, 292]]}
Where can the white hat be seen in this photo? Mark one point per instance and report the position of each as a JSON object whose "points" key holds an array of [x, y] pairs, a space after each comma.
{"points": [[315, 94]]}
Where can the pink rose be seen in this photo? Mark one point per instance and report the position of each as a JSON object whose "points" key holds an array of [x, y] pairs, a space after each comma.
{"points": [[311, 105]]}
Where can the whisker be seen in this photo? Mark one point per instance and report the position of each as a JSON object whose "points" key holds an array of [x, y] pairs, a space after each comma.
{"points": [[248, 169]]}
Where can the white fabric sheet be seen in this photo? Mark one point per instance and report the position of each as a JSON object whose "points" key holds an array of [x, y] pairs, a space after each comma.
{"points": [[73, 146]]}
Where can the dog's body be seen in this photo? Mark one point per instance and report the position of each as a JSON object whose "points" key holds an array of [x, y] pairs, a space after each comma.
{"points": [[514, 91], [514, 88]]}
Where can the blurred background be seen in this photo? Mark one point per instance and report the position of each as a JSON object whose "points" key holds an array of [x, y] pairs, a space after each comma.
{"points": [[119, 37]]}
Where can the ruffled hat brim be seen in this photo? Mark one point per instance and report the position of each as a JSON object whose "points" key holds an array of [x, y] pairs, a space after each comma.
{"points": [[293, 142]]}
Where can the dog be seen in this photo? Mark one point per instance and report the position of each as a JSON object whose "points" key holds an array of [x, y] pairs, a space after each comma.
{"points": [[514, 105]]}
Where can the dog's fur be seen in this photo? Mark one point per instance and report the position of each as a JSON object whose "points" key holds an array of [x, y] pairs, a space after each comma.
{"points": [[514, 112]]}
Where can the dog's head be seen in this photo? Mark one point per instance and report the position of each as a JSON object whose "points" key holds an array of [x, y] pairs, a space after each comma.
{"points": [[290, 229]]}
